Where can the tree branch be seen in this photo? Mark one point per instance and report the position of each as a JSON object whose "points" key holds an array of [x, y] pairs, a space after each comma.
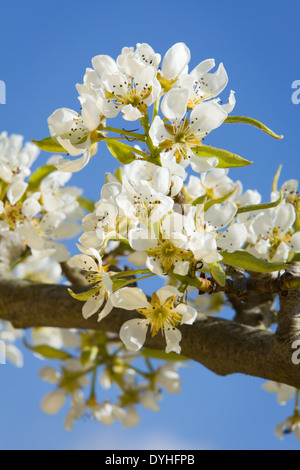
{"points": [[223, 346]]}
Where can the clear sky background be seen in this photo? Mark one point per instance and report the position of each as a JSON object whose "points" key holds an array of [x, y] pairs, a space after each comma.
{"points": [[44, 50]]}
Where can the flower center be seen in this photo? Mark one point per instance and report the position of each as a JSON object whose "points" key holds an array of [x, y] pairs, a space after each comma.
{"points": [[161, 316], [202, 92], [77, 132], [128, 94], [12, 214], [167, 253]]}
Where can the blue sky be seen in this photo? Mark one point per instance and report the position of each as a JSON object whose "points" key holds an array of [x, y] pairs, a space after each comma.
{"points": [[45, 48]]}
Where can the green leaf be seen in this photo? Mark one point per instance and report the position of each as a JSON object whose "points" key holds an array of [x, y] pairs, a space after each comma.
{"points": [[122, 152], [226, 159], [156, 354], [276, 178], [119, 174], [252, 122], [244, 260], [49, 352], [199, 200], [119, 283], [36, 178], [186, 280], [296, 258], [49, 145], [132, 272], [88, 355], [259, 207], [84, 296], [218, 273], [86, 203]]}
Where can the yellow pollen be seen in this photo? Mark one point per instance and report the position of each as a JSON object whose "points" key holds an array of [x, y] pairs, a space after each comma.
{"points": [[161, 316]]}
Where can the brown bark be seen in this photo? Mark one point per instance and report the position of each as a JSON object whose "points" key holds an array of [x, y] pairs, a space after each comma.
{"points": [[223, 346]]}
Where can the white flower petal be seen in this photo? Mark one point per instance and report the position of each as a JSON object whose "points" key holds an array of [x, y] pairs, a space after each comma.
{"points": [[150, 399], [141, 239], [154, 265], [295, 242], [16, 191], [234, 238], [202, 164], [285, 217], [207, 116], [220, 215], [174, 103], [104, 64], [92, 305], [290, 187], [204, 67], [49, 374], [217, 81], [53, 402], [166, 292], [182, 268], [282, 253], [90, 112], [130, 298], [228, 107], [203, 245], [14, 355], [173, 338], [133, 334], [84, 262], [175, 61], [158, 132], [74, 165], [107, 309], [137, 258], [189, 314], [130, 113], [30, 207]]}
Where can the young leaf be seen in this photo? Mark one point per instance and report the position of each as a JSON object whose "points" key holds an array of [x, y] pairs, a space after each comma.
{"points": [[49, 145], [122, 152], [199, 200], [156, 354], [253, 122], [218, 273], [39, 175], [87, 204], [244, 260], [220, 200], [226, 159], [276, 178], [89, 354], [260, 207], [48, 351], [84, 296]]}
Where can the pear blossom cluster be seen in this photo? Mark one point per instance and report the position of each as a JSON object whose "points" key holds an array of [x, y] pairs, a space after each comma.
{"points": [[89, 362], [171, 213], [274, 234], [9, 351], [109, 365], [132, 84], [37, 207], [285, 393], [177, 242]]}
